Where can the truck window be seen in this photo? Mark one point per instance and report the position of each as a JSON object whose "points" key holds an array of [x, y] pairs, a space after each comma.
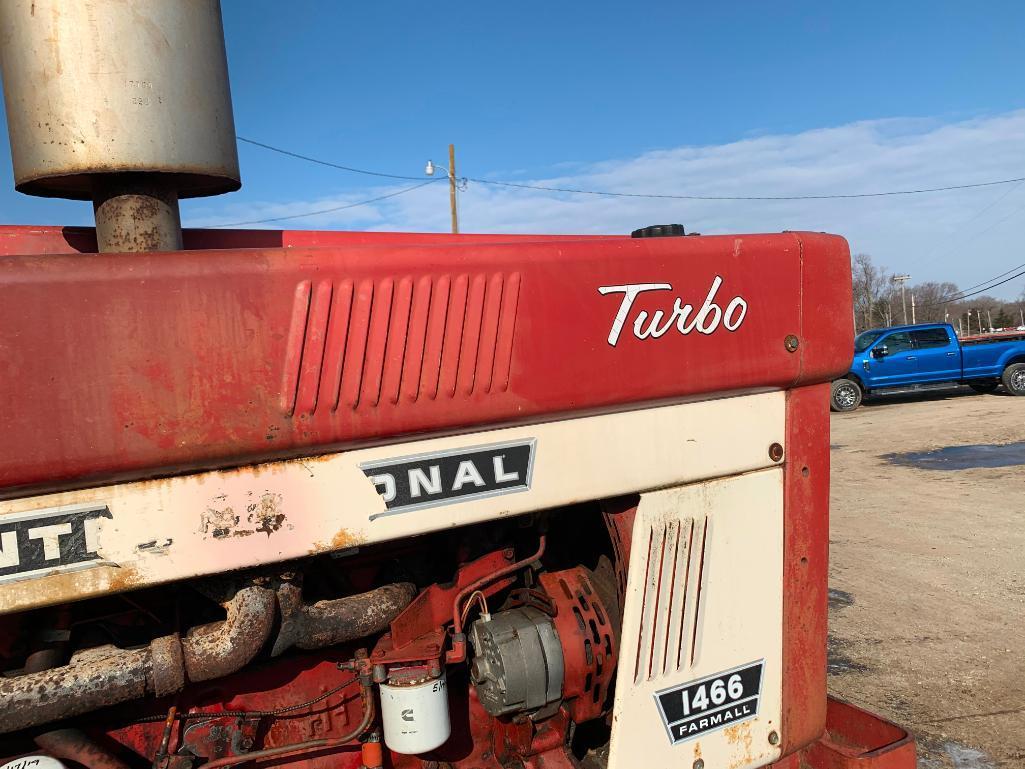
{"points": [[897, 342], [930, 337], [864, 340]]}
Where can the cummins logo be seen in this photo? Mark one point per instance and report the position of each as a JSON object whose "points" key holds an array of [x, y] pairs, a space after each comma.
{"points": [[52, 540], [445, 477]]}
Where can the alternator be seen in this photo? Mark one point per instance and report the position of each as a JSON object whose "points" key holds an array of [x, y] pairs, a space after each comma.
{"points": [[518, 662]]}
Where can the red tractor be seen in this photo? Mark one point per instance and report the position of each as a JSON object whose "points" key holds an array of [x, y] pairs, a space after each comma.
{"points": [[332, 499]]}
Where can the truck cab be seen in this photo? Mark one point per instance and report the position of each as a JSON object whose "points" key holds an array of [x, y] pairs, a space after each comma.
{"points": [[911, 354]]}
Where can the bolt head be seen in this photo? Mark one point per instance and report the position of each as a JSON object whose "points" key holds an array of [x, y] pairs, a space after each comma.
{"points": [[791, 343], [775, 452], [774, 738], [699, 764]]}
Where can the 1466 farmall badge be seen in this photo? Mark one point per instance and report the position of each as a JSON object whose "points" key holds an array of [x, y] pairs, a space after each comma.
{"points": [[708, 704]]}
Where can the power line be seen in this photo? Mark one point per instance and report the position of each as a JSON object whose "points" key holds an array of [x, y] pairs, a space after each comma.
{"points": [[965, 295], [330, 210], [977, 285], [938, 254], [749, 197], [987, 288], [605, 193], [957, 296], [327, 163]]}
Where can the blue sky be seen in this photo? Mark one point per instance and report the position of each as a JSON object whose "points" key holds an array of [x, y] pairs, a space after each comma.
{"points": [[742, 98]]}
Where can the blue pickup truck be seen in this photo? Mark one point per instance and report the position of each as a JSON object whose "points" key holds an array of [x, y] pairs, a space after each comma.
{"points": [[902, 358]]}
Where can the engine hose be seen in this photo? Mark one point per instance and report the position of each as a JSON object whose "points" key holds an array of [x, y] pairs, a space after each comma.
{"points": [[457, 618]]}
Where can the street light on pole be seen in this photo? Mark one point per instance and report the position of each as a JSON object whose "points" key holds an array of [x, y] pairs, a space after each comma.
{"points": [[902, 279], [451, 171]]}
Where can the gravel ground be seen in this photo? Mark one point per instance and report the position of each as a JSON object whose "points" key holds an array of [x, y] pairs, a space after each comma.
{"points": [[927, 575]]}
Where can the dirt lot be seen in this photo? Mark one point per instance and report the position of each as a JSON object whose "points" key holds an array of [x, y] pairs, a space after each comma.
{"points": [[927, 576]]}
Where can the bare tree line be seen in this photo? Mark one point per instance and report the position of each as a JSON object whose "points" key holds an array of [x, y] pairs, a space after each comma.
{"points": [[877, 302]]}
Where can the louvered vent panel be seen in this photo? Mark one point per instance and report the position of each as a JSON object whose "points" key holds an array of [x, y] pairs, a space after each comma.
{"points": [[358, 345], [671, 604]]}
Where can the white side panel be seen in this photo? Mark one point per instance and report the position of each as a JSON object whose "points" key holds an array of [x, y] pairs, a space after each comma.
{"points": [[174, 528], [704, 597]]}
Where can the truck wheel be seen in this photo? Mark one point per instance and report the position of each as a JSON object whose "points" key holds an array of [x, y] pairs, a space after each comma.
{"points": [[985, 385], [846, 395], [1014, 379]]}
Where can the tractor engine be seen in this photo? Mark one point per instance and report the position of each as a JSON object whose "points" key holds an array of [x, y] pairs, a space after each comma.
{"points": [[479, 647], [341, 500]]}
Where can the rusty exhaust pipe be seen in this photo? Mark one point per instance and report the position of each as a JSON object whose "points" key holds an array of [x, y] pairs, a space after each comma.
{"points": [[326, 623], [136, 214], [69, 744], [122, 102], [106, 676]]}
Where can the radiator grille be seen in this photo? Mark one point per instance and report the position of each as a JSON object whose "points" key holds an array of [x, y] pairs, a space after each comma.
{"points": [[360, 344]]}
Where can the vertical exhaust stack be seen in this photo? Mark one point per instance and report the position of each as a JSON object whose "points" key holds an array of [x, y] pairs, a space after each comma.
{"points": [[122, 102]]}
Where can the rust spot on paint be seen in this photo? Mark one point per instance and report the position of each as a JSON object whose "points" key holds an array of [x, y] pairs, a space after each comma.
{"points": [[262, 515], [740, 735], [220, 523], [266, 514], [123, 578], [345, 538], [342, 540]]}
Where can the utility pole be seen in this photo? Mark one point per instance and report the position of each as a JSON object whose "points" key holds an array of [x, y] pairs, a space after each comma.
{"points": [[452, 187], [913, 307], [902, 279], [1022, 314], [960, 330], [989, 317], [451, 170]]}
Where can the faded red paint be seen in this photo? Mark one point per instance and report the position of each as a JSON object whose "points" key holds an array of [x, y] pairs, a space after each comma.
{"points": [[289, 681], [46, 239], [854, 739], [805, 565], [432, 609], [137, 365]]}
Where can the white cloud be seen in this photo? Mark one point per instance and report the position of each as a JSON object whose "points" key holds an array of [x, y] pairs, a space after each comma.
{"points": [[938, 236]]}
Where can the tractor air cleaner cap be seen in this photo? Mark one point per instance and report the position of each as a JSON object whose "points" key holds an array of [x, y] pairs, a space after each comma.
{"points": [[659, 231]]}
